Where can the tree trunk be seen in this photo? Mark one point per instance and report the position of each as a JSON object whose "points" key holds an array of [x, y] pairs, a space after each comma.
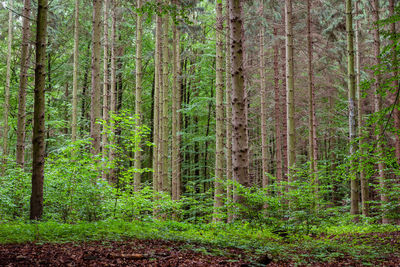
{"points": [[278, 122], [240, 149], [105, 81], [263, 107], [23, 83], [138, 94], [228, 92], [113, 87], [165, 93], [7, 88], [284, 115], [291, 149], [354, 210], [363, 180], [176, 116], [378, 108], [312, 123], [219, 115], [75, 74], [38, 138], [95, 107]]}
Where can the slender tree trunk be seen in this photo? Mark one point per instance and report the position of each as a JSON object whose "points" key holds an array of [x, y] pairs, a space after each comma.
{"points": [[240, 149], [165, 93], [75, 74], [263, 89], [228, 109], [7, 88], [278, 122], [138, 94], [66, 109], [284, 115], [106, 80], [23, 83], [312, 124], [95, 107], [354, 210], [85, 86], [176, 116], [219, 100], [38, 138], [291, 149], [157, 89], [378, 108], [113, 87], [363, 180]]}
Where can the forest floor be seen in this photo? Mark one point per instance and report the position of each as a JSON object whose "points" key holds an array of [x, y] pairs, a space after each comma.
{"points": [[51, 244]]}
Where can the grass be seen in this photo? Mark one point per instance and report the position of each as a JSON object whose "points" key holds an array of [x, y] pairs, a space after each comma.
{"points": [[260, 240]]}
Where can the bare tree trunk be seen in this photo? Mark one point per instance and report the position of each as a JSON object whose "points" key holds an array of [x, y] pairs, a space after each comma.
{"points": [[75, 74], [240, 149], [354, 210], [38, 138], [278, 122], [95, 107], [138, 94], [284, 115], [113, 88], [219, 100], [7, 88], [378, 108], [165, 93], [156, 116], [263, 107], [106, 83], [312, 123], [363, 180], [291, 138], [228, 93], [176, 116], [23, 83]]}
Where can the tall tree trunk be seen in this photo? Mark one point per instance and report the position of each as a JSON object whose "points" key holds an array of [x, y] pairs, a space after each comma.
{"points": [[23, 83], [75, 74], [138, 94], [363, 180], [219, 115], [105, 81], [156, 117], [228, 92], [312, 122], [284, 114], [85, 86], [95, 107], [113, 87], [66, 109], [38, 138], [354, 210], [7, 88], [240, 149], [291, 149], [278, 122], [378, 108], [165, 93], [263, 107], [176, 116]]}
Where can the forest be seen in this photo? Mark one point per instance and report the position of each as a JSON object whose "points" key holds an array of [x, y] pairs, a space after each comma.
{"points": [[200, 133]]}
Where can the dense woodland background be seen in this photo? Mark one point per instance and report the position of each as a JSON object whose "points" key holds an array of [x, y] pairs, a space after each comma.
{"points": [[279, 112]]}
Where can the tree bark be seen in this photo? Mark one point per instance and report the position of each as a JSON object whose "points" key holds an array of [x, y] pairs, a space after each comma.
{"points": [[7, 89], [75, 74], [219, 115], [278, 132], [165, 93], [23, 83], [138, 93], [291, 149], [263, 107], [354, 210], [240, 149], [378, 108], [38, 138], [95, 108], [106, 81], [363, 180], [228, 109]]}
